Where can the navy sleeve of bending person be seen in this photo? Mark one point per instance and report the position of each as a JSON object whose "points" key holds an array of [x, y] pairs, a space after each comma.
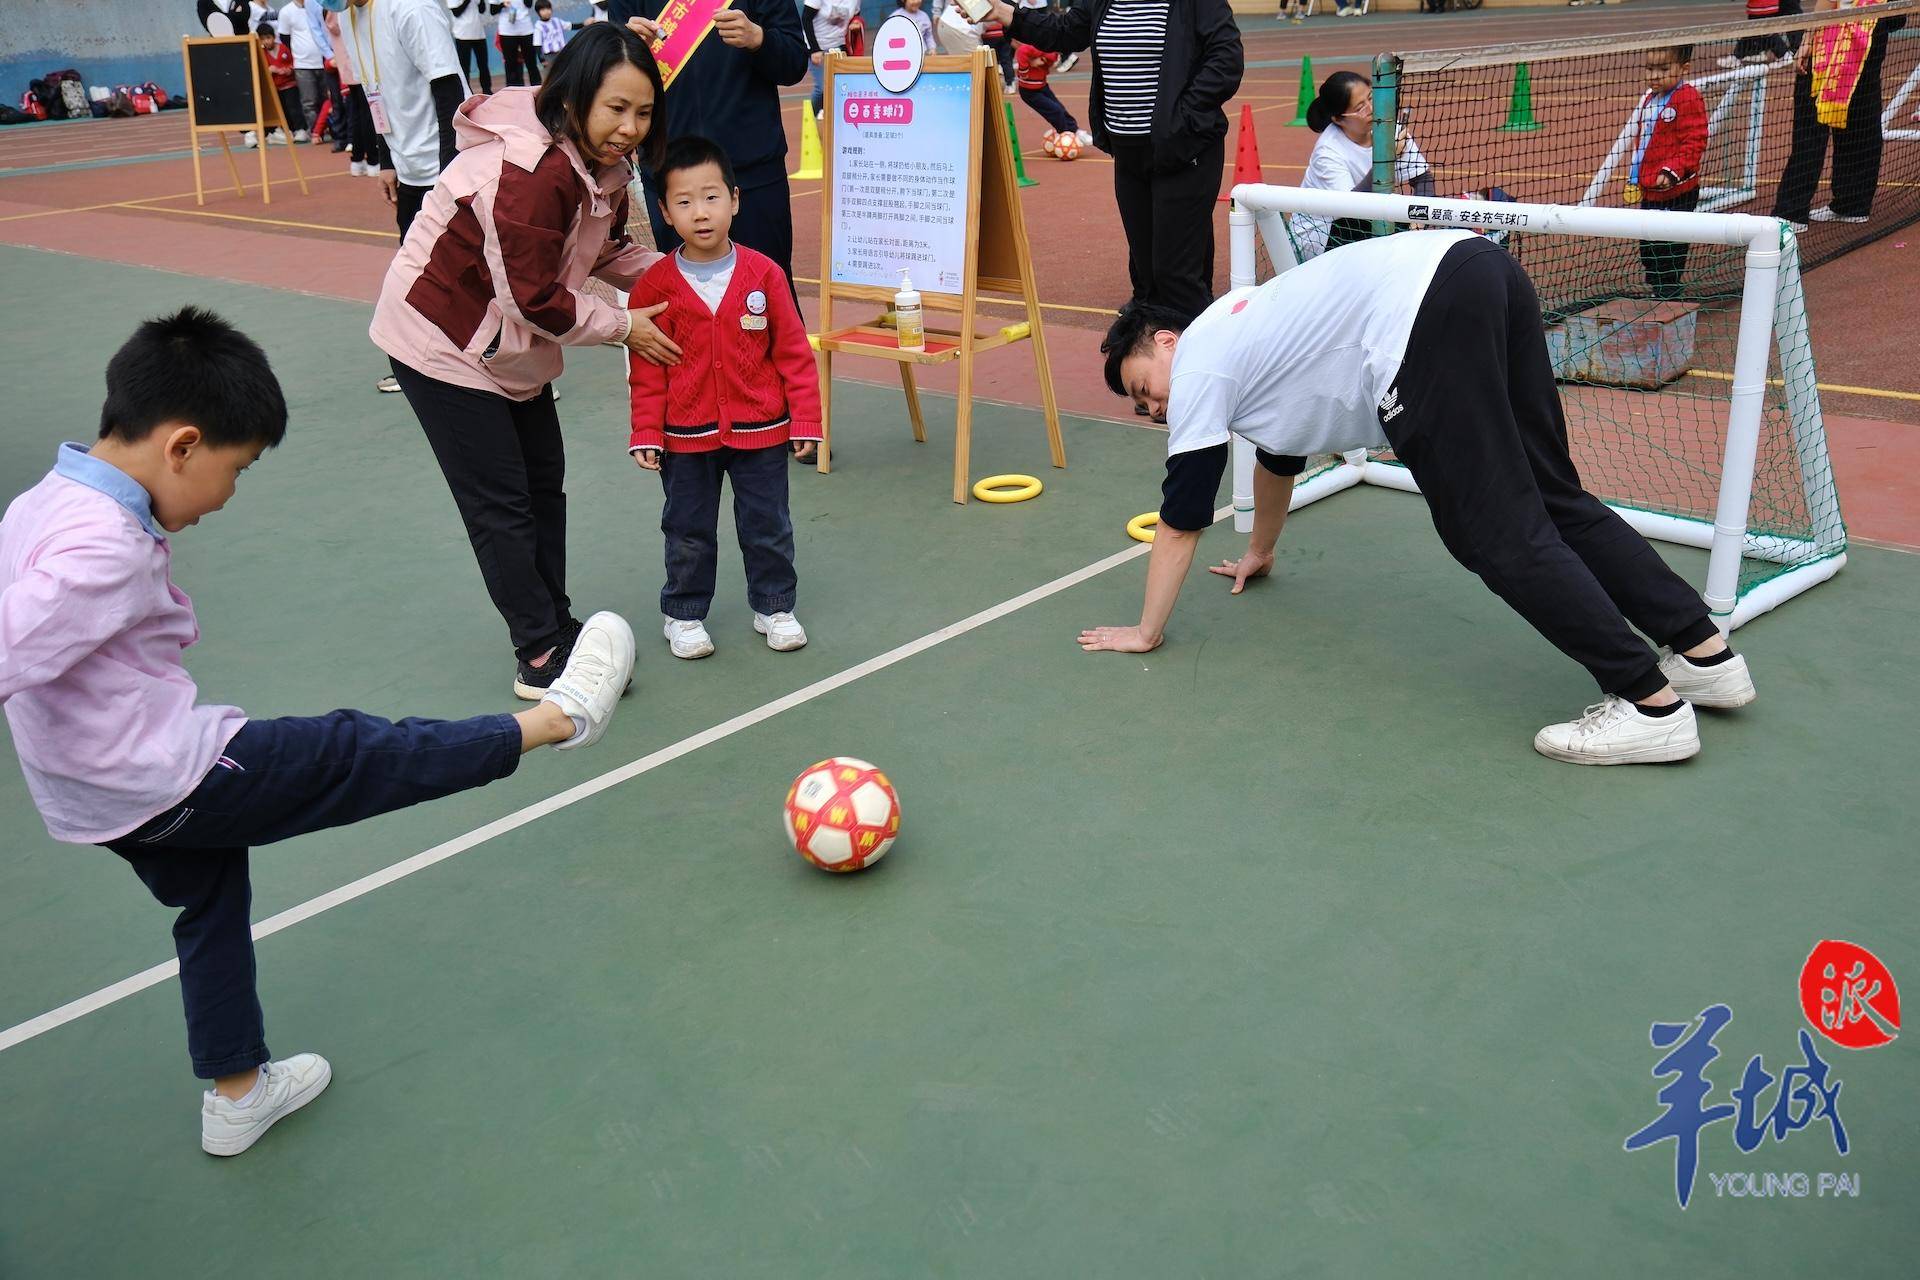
{"points": [[1193, 481], [1067, 30]]}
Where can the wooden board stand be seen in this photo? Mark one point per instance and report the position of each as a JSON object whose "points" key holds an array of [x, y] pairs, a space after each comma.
{"points": [[231, 92], [997, 263]]}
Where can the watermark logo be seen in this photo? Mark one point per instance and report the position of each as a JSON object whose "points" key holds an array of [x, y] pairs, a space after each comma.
{"points": [[1850, 998]]}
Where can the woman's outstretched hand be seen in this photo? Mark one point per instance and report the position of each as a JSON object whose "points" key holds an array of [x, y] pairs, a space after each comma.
{"points": [[1248, 567], [646, 341], [1117, 640]]}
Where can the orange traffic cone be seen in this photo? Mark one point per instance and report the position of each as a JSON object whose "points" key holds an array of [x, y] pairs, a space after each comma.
{"points": [[1246, 156]]}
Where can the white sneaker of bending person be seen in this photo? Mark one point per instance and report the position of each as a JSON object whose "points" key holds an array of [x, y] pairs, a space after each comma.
{"points": [[1618, 732], [782, 630], [1723, 686], [687, 637], [597, 673], [227, 1128]]}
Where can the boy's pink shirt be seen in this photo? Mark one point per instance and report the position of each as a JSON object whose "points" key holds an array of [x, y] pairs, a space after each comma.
{"points": [[91, 630]]}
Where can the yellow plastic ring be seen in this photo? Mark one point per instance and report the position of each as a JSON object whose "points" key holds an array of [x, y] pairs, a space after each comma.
{"points": [[1140, 528], [1009, 488]]}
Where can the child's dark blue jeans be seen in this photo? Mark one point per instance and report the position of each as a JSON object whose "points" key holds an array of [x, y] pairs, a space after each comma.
{"points": [[690, 519], [283, 778]]}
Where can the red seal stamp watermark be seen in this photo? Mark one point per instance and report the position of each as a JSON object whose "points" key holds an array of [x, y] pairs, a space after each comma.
{"points": [[1849, 996]]}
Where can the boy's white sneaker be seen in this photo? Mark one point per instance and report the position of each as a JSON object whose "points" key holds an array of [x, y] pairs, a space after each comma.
{"points": [[782, 630], [598, 671], [1617, 732], [687, 637], [250, 140], [301, 135], [227, 1128], [1825, 213], [1086, 139], [1724, 686]]}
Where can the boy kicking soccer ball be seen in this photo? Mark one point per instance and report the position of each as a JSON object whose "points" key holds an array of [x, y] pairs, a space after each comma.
{"points": [[116, 747], [744, 394]]}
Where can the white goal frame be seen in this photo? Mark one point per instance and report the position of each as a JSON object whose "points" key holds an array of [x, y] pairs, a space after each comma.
{"points": [[1772, 310]]}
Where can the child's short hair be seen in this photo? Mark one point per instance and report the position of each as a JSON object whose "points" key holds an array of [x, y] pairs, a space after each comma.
{"points": [[538, 5], [193, 367], [264, 31], [1682, 54], [690, 151]]}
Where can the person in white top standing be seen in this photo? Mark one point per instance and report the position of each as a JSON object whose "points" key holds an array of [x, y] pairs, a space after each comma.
{"points": [[516, 43], [300, 30], [1431, 341], [825, 23], [472, 25], [1342, 160], [403, 54]]}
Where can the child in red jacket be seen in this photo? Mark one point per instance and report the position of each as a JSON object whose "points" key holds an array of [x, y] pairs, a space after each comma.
{"points": [[1670, 134], [280, 66], [1031, 67], [743, 395]]}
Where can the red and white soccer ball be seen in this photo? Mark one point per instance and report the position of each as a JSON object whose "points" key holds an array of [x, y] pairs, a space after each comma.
{"points": [[842, 814], [1067, 146], [1048, 140]]}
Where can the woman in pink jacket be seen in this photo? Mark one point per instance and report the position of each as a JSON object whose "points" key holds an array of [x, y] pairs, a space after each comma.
{"points": [[490, 285]]}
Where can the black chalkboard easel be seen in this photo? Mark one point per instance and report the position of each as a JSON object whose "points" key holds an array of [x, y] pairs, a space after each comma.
{"points": [[229, 88]]}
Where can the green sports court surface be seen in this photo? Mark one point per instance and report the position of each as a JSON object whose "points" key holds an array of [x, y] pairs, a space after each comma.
{"points": [[1274, 952]]}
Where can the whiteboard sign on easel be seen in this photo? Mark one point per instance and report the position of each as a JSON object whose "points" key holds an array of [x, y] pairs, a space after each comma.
{"points": [[900, 180]]}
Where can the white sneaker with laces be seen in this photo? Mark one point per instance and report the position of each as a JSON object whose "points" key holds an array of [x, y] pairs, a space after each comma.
{"points": [[597, 673], [1723, 686], [687, 637], [388, 385], [227, 1128], [1617, 732], [250, 140], [782, 630], [1086, 139], [1825, 213], [301, 135]]}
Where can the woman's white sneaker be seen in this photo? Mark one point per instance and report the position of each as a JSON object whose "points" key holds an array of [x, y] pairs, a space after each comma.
{"points": [[1618, 732], [687, 637], [1723, 686], [782, 630], [598, 671], [227, 1128]]}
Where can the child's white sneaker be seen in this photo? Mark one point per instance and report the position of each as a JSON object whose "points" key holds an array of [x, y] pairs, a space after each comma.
{"points": [[782, 630], [1723, 686], [687, 637], [597, 673], [1086, 139], [250, 140], [1618, 732], [301, 135], [228, 1128]]}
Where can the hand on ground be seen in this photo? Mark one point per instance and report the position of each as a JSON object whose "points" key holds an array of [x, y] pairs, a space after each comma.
{"points": [[1117, 639], [1248, 567]]}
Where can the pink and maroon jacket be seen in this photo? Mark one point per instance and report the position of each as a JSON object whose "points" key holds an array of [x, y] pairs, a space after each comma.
{"points": [[488, 286]]}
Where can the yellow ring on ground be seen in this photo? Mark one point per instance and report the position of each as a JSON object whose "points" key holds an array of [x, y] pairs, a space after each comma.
{"points": [[1140, 528], [1008, 488]]}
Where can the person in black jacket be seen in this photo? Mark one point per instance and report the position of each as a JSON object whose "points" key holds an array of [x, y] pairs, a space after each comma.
{"points": [[1162, 71], [729, 91]]}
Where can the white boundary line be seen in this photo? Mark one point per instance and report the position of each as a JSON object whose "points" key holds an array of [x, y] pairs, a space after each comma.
{"points": [[76, 1009]]}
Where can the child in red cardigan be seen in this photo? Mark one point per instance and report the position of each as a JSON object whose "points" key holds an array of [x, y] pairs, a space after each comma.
{"points": [[1670, 134], [743, 395]]}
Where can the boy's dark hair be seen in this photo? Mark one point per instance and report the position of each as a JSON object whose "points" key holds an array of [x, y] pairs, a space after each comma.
{"points": [[690, 151], [1682, 54], [193, 367], [565, 100], [264, 29], [538, 5], [1132, 333]]}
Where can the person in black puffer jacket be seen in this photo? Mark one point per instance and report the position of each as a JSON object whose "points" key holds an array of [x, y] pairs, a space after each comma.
{"points": [[1162, 72]]}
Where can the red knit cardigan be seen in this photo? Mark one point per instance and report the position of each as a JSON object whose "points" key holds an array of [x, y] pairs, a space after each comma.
{"points": [[737, 385], [1676, 146]]}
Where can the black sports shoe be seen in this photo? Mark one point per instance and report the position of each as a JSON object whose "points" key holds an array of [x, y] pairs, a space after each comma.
{"points": [[530, 684]]}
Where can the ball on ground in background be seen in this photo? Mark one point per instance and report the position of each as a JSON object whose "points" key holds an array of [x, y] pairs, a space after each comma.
{"points": [[842, 814], [1047, 141], [1066, 146]]}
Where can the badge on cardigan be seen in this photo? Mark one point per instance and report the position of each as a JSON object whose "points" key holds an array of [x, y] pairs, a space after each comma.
{"points": [[757, 303], [753, 324], [1669, 115]]}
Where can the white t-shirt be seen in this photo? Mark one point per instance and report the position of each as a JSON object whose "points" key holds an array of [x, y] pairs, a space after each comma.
{"points": [[258, 13], [708, 279], [296, 26], [470, 23], [399, 48], [517, 18], [830, 22], [1299, 364], [1338, 163]]}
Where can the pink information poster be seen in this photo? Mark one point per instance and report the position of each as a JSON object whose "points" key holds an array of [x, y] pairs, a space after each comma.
{"points": [[899, 180]]}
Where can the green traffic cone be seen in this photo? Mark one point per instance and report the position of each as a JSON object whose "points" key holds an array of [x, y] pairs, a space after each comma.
{"points": [[1307, 94], [1019, 163], [1520, 109]]}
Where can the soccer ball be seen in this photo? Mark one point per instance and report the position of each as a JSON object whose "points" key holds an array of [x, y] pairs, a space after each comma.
{"points": [[1067, 146], [842, 814], [1048, 140]]}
